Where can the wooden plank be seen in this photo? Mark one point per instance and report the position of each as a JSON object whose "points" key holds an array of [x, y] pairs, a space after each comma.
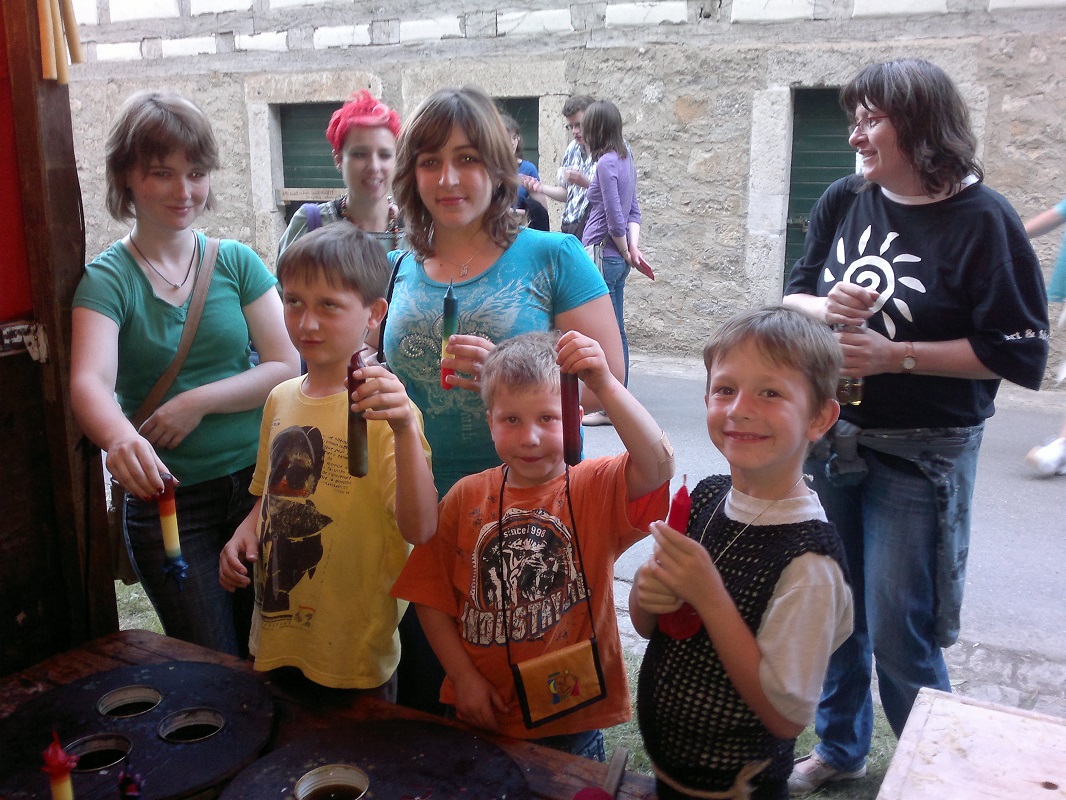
{"points": [[552, 775], [955, 746], [307, 195]]}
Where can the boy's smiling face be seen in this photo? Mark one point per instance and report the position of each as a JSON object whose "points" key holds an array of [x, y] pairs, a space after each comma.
{"points": [[759, 416], [327, 323], [527, 428]]}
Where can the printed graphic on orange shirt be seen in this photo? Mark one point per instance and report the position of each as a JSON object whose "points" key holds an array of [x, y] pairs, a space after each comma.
{"points": [[534, 576]]}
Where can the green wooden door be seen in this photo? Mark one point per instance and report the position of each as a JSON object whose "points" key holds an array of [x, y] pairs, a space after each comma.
{"points": [[526, 112], [306, 154], [820, 155]]}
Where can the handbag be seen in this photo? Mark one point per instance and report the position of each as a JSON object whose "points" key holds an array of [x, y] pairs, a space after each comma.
{"points": [[557, 683], [121, 564]]}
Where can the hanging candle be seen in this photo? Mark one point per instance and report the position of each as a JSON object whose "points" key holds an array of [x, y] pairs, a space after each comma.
{"points": [[571, 418], [174, 565], [684, 623], [58, 765], [449, 327], [358, 457]]}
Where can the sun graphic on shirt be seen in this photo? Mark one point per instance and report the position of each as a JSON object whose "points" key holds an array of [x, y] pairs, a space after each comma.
{"points": [[876, 272]]}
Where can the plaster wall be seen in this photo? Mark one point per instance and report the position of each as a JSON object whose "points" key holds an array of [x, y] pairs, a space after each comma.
{"points": [[705, 88]]}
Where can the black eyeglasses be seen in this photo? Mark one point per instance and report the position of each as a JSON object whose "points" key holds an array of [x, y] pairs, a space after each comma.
{"points": [[866, 124]]}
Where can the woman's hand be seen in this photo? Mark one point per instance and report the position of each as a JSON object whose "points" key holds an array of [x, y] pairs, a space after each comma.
{"points": [[173, 421], [849, 304], [133, 463], [469, 354], [866, 352]]}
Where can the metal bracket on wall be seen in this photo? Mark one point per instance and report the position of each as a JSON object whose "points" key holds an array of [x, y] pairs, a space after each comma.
{"points": [[24, 336]]}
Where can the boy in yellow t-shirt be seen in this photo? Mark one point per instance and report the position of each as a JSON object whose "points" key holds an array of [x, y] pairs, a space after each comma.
{"points": [[327, 546]]}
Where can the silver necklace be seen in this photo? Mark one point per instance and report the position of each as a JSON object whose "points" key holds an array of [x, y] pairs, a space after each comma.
{"points": [[464, 268], [714, 513], [164, 278]]}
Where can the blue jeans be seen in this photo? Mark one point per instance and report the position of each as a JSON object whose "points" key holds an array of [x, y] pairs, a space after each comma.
{"points": [[587, 744], [888, 522], [615, 272], [201, 611]]}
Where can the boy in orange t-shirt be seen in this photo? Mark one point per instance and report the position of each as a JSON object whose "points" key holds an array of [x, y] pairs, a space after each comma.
{"points": [[485, 606]]}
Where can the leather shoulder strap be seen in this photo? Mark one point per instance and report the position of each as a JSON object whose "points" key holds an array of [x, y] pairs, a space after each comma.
{"points": [[188, 333]]}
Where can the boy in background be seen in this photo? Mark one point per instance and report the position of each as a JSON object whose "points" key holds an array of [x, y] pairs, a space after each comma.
{"points": [[327, 546], [721, 703], [489, 600]]}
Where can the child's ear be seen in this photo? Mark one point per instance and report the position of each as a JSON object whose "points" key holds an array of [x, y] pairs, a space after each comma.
{"points": [[378, 309], [823, 420]]}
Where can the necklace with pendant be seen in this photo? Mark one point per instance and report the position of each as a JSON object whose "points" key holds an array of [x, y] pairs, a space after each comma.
{"points": [[464, 268], [164, 278], [685, 622]]}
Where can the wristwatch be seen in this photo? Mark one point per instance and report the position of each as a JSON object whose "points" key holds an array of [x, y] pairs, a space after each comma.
{"points": [[909, 361]]}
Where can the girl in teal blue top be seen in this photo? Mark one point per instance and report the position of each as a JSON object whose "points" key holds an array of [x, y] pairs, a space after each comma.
{"points": [[455, 184], [128, 315]]}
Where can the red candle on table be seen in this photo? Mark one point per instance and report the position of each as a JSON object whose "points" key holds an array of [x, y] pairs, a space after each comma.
{"points": [[358, 457], [58, 764], [449, 326], [568, 388], [685, 622]]}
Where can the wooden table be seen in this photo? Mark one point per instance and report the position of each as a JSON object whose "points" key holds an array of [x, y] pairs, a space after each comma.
{"points": [[551, 775], [953, 746]]}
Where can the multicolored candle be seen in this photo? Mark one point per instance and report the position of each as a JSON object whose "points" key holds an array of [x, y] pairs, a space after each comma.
{"points": [[58, 764], [449, 327], [571, 418], [174, 566], [358, 456], [685, 622]]}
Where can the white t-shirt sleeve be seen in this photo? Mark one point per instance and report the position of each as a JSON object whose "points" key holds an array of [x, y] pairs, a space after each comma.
{"points": [[808, 617]]}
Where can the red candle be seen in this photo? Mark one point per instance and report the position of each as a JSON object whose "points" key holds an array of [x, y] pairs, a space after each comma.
{"points": [[571, 418], [58, 764], [358, 457], [449, 326], [685, 622]]}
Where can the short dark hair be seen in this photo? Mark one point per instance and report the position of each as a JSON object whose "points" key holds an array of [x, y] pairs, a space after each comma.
{"points": [[523, 362], [787, 337], [428, 129], [346, 256], [931, 119], [602, 128], [575, 103], [149, 127]]}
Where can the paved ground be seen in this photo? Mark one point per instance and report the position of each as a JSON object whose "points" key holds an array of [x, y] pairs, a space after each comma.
{"points": [[1013, 644]]}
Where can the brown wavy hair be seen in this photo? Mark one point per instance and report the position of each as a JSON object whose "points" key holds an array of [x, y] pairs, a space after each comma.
{"points": [[931, 119], [427, 131]]}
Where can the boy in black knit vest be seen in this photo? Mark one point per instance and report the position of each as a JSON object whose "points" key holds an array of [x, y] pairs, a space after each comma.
{"points": [[744, 611]]}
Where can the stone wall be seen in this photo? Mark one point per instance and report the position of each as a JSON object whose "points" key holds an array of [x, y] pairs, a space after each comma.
{"points": [[704, 86]]}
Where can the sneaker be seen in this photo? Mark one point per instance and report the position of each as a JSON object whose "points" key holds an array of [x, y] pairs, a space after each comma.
{"points": [[595, 418], [1049, 459], [810, 773]]}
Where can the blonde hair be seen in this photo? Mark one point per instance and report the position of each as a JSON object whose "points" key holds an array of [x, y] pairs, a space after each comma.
{"points": [[524, 362]]}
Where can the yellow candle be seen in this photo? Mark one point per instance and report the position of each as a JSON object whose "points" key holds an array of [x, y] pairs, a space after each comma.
{"points": [[58, 764], [168, 518]]}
